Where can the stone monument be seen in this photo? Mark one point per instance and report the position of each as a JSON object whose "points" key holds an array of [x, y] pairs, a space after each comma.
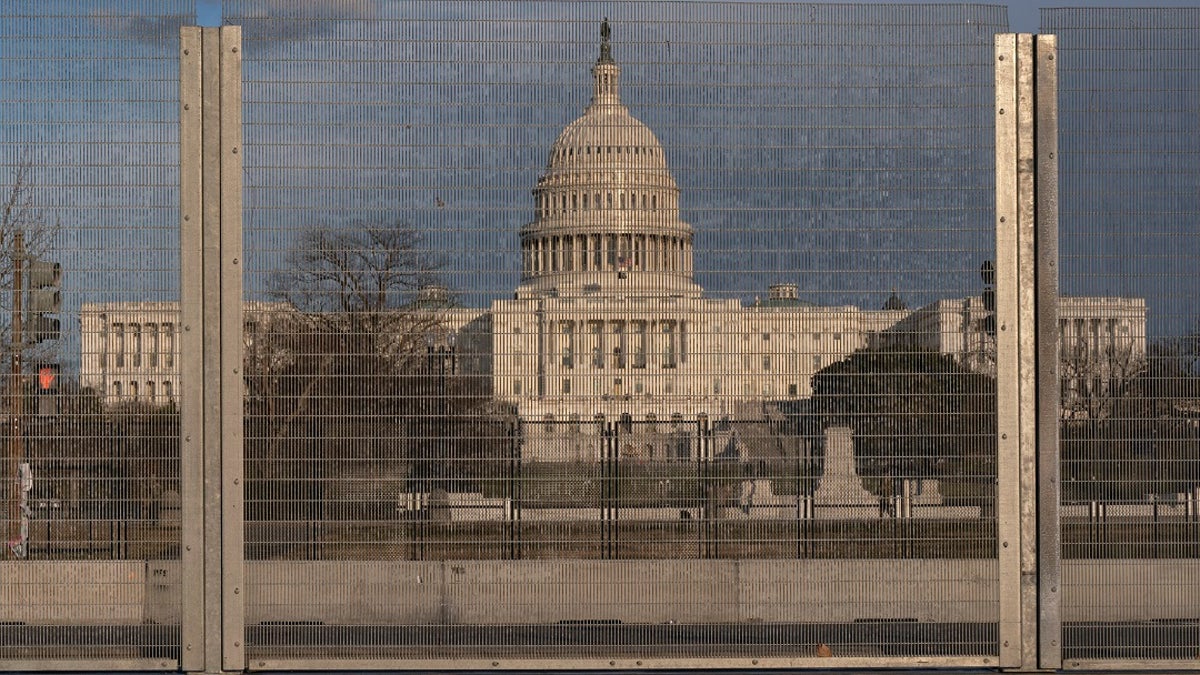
{"points": [[840, 493]]}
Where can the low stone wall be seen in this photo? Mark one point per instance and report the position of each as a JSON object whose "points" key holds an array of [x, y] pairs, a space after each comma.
{"points": [[72, 592], [630, 591]]}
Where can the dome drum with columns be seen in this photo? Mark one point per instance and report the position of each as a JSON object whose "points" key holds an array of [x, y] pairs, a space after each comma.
{"points": [[606, 212]]}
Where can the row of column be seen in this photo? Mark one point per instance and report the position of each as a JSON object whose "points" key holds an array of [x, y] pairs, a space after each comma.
{"points": [[1092, 335], [549, 204], [606, 252], [617, 344]]}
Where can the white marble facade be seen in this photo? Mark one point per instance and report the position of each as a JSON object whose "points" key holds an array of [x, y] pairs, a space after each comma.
{"points": [[608, 319]]}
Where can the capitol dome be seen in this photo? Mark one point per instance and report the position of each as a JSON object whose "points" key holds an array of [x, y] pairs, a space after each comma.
{"points": [[606, 210]]}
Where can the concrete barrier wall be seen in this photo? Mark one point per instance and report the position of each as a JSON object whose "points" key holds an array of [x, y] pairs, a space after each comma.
{"points": [[72, 592], [631, 591], [1131, 590], [700, 591]]}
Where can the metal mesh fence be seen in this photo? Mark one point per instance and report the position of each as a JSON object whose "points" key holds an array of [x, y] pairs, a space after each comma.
{"points": [[1130, 146], [633, 330], [89, 183]]}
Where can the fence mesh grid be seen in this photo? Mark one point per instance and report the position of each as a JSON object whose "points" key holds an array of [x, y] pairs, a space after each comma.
{"points": [[89, 181], [618, 329], [595, 330], [1130, 162]]}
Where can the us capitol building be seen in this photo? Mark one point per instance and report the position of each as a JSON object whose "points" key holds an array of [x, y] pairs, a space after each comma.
{"points": [[609, 321]]}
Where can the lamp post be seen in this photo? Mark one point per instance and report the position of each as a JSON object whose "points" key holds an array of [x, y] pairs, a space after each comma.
{"points": [[441, 362]]}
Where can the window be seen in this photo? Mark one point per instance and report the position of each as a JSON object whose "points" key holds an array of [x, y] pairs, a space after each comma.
{"points": [[150, 391], [668, 354], [717, 386], [816, 337], [169, 391], [816, 362], [152, 331], [119, 347], [133, 390], [595, 330], [793, 390], [766, 337], [516, 387], [168, 330], [117, 389], [639, 353], [566, 385], [639, 387], [568, 336], [619, 348], [103, 341], [136, 331], [548, 424], [766, 362], [837, 336]]}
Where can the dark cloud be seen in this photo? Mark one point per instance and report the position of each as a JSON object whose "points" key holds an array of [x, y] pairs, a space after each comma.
{"points": [[152, 29], [286, 20]]}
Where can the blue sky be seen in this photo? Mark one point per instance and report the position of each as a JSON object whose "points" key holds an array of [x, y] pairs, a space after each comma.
{"points": [[1023, 17], [868, 201]]}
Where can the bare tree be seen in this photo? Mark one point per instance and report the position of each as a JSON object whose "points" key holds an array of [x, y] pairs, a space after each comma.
{"points": [[1094, 381], [22, 212], [341, 364], [353, 322]]}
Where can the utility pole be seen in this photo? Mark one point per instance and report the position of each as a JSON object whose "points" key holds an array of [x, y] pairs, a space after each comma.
{"points": [[16, 399]]}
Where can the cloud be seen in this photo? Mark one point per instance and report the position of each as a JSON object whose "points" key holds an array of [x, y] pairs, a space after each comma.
{"points": [[287, 20], [151, 29]]}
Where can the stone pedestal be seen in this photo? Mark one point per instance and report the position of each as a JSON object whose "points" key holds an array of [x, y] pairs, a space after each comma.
{"points": [[840, 493]]}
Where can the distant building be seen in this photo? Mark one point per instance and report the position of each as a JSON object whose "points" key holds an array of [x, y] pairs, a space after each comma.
{"points": [[1102, 343], [608, 322], [131, 351]]}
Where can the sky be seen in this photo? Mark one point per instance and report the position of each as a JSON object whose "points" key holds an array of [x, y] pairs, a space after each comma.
{"points": [[353, 118], [1022, 16]]}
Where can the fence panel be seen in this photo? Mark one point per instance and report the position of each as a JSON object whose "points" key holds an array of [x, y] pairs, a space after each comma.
{"points": [[720, 393], [1130, 163], [89, 181]]}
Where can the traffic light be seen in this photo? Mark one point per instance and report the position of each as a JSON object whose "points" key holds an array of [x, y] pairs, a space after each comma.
{"points": [[47, 388], [987, 272], [44, 298]]}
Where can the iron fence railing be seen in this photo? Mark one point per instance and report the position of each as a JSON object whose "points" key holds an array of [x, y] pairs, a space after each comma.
{"points": [[594, 335]]}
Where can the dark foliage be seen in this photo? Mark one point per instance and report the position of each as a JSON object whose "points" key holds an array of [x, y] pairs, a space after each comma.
{"points": [[913, 412]]}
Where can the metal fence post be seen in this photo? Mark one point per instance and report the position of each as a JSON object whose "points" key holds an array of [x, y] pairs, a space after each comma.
{"points": [[1049, 399], [231, 347], [1008, 492], [191, 376], [211, 348], [1026, 360]]}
